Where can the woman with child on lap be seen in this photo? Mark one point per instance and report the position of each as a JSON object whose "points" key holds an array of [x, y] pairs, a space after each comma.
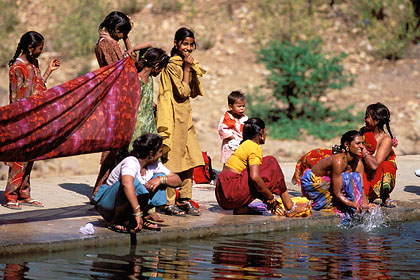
{"points": [[378, 155], [248, 175], [179, 82], [135, 185], [336, 181], [231, 125]]}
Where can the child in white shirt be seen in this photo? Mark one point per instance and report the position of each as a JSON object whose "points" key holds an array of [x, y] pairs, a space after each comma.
{"points": [[231, 125]]}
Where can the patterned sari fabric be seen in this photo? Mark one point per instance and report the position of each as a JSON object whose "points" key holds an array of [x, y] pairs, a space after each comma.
{"points": [[92, 113], [319, 190], [25, 80], [383, 178], [308, 161], [146, 122]]}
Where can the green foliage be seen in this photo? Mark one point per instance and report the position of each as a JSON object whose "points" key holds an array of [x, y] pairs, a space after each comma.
{"points": [[167, 6], [300, 75], [131, 6], [76, 31], [391, 25], [8, 23], [320, 122], [288, 20]]}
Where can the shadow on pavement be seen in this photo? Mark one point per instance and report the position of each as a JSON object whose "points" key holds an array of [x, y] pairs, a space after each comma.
{"points": [[48, 214], [83, 189], [412, 189]]}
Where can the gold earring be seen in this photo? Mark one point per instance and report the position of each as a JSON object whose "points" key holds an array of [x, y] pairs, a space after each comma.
{"points": [[347, 149]]}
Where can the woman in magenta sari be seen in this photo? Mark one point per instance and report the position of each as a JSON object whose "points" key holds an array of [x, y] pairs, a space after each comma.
{"points": [[378, 155]]}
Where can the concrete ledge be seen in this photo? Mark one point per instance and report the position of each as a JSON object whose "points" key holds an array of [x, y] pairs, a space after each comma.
{"points": [[231, 225]]}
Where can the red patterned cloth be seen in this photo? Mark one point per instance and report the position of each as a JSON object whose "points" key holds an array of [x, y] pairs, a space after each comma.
{"points": [[92, 113], [308, 160], [374, 181]]}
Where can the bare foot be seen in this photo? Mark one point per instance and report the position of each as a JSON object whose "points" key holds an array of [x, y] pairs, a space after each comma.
{"points": [[300, 208], [154, 218], [30, 202]]}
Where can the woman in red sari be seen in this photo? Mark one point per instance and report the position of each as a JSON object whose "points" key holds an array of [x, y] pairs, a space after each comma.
{"points": [[378, 155], [248, 175], [25, 79]]}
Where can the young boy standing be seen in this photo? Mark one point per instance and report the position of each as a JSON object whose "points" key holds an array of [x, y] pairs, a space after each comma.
{"points": [[231, 125]]}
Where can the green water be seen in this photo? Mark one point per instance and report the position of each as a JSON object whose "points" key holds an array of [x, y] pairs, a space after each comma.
{"points": [[361, 252]]}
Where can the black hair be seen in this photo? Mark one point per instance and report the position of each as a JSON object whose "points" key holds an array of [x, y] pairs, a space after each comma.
{"points": [[154, 57], [348, 137], [116, 20], [235, 96], [379, 112], [29, 39], [145, 144], [180, 36], [252, 128]]}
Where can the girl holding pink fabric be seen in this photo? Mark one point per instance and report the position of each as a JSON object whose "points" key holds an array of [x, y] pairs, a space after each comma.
{"points": [[25, 80]]}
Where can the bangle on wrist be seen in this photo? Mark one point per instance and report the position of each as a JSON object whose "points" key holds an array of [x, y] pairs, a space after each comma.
{"points": [[137, 208], [291, 210], [163, 179], [138, 214]]}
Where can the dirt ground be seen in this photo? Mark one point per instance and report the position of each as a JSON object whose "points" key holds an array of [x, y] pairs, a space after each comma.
{"points": [[231, 64]]}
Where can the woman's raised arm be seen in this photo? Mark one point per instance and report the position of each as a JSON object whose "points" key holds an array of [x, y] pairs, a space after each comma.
{"points": [[382, 152]]}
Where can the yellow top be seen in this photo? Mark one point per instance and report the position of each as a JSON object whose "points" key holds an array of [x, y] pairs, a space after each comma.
{"points": [[248, 153], [181, 150]]}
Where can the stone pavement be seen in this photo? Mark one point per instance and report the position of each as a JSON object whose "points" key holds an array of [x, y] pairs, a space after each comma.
{"points": [[55, 227]]}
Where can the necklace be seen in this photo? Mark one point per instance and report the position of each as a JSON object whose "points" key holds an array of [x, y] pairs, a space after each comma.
{"points": [[380, 135]]}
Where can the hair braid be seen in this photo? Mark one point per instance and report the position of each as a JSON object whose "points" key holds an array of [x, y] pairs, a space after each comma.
{"points": [[17, 53], [389, 129]]}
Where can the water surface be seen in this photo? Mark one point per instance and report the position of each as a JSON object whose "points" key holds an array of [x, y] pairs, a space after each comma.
{"points": [[373, 252]]}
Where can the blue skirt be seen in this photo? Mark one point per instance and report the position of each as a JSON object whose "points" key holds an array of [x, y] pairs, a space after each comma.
{"points": [[107, 196]]}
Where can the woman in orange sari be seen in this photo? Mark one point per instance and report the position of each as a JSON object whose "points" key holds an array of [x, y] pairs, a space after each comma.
{"points": [[378, 155]]}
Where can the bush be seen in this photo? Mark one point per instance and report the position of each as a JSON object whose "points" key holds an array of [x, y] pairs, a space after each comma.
{"points": [[167, 6], [8, 23], [131, 6], [76, 31], [300, 75], [288, 20], [391, 25]]}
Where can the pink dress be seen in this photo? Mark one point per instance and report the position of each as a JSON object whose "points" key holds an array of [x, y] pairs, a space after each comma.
{"points": [[229, 126]]}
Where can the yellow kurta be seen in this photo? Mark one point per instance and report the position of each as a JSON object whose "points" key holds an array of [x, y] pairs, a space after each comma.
{"points": [[174, 116]]}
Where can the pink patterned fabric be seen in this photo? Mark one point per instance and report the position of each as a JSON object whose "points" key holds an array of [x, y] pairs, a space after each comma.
{"points": [[92, 113]]}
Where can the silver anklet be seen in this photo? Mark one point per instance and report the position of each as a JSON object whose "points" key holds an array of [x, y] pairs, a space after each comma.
{"points": [[291, 210]]}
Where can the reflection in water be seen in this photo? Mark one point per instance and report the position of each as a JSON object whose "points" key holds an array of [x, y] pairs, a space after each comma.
{"points": [[15, 271], [248, 258], [354, 253]]}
